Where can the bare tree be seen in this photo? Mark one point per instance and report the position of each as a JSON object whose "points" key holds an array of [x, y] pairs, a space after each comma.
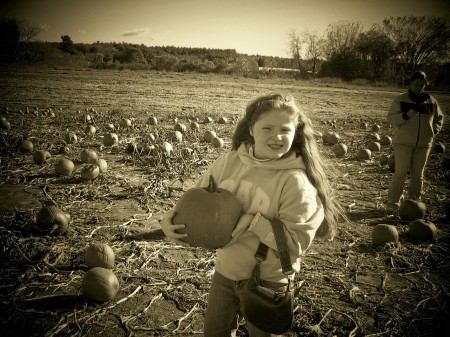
{"points": [[341, 35], [418, 41], [314, 47], [295, 47], [28, 30]]}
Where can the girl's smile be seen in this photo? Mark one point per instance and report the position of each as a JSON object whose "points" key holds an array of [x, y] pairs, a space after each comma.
{"points": [[273, 133]]}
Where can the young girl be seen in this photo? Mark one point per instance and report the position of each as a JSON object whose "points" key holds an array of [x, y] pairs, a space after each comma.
{"points": [[276, 171], [416, 118]]}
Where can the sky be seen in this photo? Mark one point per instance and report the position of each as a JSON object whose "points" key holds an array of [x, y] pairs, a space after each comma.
{"points": [[253, 27]]}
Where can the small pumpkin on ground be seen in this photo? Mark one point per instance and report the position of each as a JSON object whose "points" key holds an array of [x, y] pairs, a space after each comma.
{"points": [[208, 135], [110, 139], [411, 210], [423, 230], [88, 156], [64, 167], [41, 156], [90, 171], [99, 255], [364, 154], [210, 215], [51, 215], [100, 284], [26, 146], [217, 142], [340, 150], [383, 233]]}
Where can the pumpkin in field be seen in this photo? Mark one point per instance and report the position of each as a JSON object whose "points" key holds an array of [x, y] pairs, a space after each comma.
{"points": [[410, 210], [125, 122], [207, 120], [422, 230], [364, 154], [383, 233], [100, 284], [65, 150], [374, 137], [88, 156], [64, 167], [102, 165], [166, 149], [384, 159], [176, 136], [376, 128], [90, 130], [152, 121], [223, 120], [374, 146], [386, 140], [26, 146], [210, 215], [331, 138], [41, 156], [194, 126], [340, 150], [217, 142], [110, 139], [90, 172], [4, 123], [208, 135], [71, 138], [180, 127], [51, 215], [99, 255]]}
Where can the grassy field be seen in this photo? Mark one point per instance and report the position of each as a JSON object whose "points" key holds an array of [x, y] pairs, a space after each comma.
{"points": [[351, 287]]}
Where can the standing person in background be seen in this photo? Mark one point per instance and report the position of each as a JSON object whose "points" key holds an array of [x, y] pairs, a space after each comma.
{"points": [[276, 171], [416, 118]]}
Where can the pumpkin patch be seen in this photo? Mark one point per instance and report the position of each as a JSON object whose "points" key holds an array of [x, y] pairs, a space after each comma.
{"points": [[100, 284], [162, 286], [412, 210]]}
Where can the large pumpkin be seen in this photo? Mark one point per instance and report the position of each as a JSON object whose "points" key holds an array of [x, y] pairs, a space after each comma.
{"points": [[99, 255], [423, 230], [210, 215], [51, 215], [411, 210], [383, 233], [100, 284]]}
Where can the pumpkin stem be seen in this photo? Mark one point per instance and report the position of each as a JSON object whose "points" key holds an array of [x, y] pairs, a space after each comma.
{"points": [[212, 185]]}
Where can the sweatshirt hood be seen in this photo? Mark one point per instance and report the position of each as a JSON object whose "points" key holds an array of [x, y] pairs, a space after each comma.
{"points": [[286, 163]]}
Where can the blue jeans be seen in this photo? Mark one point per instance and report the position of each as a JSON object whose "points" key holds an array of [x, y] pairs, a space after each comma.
{"points": [[223, 311], [412, 159]]}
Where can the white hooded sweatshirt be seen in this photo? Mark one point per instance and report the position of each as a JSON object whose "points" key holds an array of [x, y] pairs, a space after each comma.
{"points": [[275, 189]]}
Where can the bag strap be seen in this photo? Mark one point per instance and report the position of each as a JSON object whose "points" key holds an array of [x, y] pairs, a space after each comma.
{"points": [[283, 249]]}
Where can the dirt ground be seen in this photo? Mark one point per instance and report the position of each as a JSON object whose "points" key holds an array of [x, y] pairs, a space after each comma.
{"points": [[350, 288]]}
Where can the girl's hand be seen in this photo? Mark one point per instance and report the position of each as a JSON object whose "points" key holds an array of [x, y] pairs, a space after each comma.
{"points": [[169, 229], [242, 225]]}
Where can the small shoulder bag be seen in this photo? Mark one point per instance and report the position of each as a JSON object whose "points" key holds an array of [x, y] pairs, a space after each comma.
{"points": [[271, 309]]}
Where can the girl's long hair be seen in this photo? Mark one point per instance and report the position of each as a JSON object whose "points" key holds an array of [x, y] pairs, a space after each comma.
{"points": [[318, 169]]}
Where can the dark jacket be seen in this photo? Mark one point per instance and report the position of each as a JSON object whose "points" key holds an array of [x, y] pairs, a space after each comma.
{"points": [[419, 130]]}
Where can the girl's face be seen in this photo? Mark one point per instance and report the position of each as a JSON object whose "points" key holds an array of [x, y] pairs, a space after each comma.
{"points": [[417, 86], [273, 133]]}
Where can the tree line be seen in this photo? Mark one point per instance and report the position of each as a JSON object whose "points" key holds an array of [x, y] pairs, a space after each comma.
{"points": [[387, 52]]}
